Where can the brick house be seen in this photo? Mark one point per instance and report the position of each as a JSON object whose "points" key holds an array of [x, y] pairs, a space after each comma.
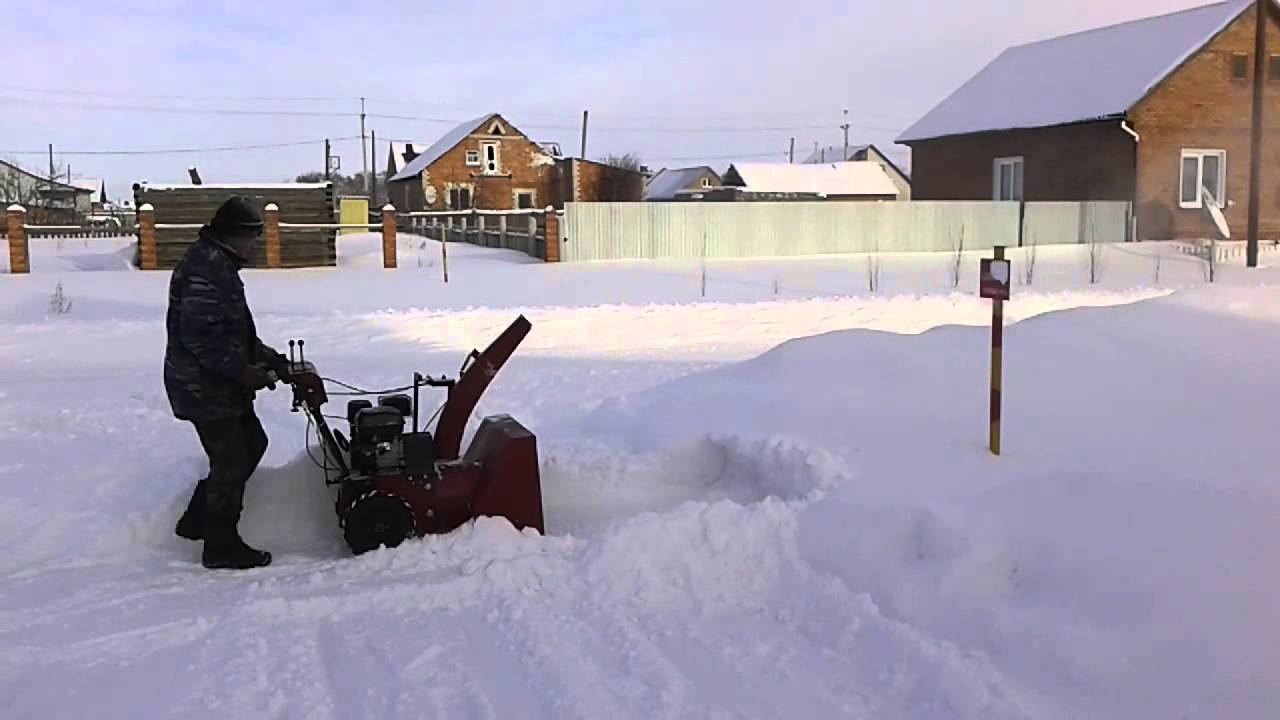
{"points": [[489, 164], [1150, 112]]}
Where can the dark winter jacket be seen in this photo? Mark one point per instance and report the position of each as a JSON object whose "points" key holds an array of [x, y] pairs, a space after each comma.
{"points": [[211, 336]]}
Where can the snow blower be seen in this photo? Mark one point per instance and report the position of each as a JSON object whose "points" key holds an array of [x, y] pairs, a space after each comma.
{"points": [[395, 483]]}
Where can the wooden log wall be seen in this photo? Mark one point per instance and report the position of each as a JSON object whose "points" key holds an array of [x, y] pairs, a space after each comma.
{"points": [[195, 205]]}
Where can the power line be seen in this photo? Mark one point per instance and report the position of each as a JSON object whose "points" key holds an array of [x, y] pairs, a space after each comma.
{"points": [[181, 151], [735, 156]]}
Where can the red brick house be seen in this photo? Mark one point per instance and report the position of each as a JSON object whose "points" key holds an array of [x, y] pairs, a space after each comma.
{"points": [[489, 164], [1149, 112]]}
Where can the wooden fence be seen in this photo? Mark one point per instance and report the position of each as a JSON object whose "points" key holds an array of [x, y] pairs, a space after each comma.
{"points": [[521, 230]]}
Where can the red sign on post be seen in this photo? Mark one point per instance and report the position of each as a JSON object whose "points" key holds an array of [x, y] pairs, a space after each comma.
{"points": [[994, 284]]}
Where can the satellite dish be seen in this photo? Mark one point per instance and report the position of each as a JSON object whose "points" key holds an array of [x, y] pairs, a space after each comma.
{"points": [[1215, 213]]}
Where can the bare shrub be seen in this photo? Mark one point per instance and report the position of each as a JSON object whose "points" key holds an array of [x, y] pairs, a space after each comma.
{"points": [[59, 303], [957, 258]]}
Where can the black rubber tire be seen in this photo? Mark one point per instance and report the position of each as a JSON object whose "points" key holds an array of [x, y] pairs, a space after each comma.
{"points": [[377, 520]]}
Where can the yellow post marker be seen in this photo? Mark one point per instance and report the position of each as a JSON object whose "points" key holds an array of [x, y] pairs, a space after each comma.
{"points": [[994, 284]]}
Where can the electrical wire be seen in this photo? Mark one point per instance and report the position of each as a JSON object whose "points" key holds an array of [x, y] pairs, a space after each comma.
{"points": [[358, 391], [180, 151]]}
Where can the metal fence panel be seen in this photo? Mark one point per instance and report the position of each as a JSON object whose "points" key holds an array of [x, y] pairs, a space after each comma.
{"points": [[610, 231]]}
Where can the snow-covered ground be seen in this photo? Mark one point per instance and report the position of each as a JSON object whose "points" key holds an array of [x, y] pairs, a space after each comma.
{"points": [[771, 501]]}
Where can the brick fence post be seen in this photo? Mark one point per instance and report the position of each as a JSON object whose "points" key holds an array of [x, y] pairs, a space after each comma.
{"points": [[272, 234], [388, 236], [552, 236], [148, 258], [16, 229]]}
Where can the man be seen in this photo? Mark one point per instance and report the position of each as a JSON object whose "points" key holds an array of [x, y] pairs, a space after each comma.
{"points": [[213, 365]]}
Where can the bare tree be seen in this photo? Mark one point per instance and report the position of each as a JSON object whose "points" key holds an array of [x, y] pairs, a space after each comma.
{"points": [[957, 258], [626, 161], [1093, 250], [1209, 254], [873, 268], [1029, 260], [1158, 260], [59, 304]]}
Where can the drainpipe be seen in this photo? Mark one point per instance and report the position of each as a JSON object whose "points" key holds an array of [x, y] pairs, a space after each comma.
{"points": [[1133, 221]]}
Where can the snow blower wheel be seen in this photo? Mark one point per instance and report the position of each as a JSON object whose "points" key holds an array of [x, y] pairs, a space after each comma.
{"points": [[377, 520]]}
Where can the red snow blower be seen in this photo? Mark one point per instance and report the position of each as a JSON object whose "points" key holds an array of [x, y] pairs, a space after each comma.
{"points": [[395, 483]]}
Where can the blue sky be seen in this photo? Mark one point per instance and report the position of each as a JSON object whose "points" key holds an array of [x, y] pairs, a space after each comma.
{"points": [[655, 76]]}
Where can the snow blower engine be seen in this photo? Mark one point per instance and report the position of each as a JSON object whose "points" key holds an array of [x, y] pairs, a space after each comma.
{"points": [[394, 483]]}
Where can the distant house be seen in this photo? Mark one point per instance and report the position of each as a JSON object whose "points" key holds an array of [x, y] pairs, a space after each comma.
{"points": [[47, 200], [670, 182], [489, 164], [846, 181], [97, 189], [864, 153], [401, 154], [1155, 112]]}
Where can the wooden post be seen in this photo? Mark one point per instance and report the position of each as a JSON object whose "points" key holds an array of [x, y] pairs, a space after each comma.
{"points": [[997, 363], [531, 246], [1260, 69], [502, 232], [272, 235], [19, 250], [444, 254], [148, 252], [388, 237], [484, 237], [552, 236]]}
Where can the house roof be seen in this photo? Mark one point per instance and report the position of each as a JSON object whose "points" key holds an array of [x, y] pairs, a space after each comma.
{"points": [[669, 181], [1091, 75], [846, 178], [93, 185], [399, 150], [831, 153], [437, 150]]}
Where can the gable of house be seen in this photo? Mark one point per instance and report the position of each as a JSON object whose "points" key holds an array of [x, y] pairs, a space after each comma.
{"points": [[1087, 76], [670, 181]]}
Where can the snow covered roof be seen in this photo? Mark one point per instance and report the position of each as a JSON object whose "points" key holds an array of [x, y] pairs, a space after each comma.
{"points": [[831, 153], [399, 150], [93, 185], [846, 178], [669, 181], [1090, 75], [446, 143]]}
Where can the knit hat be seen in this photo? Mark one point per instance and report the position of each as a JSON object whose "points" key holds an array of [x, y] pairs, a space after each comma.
{"points": [[237, 215]]}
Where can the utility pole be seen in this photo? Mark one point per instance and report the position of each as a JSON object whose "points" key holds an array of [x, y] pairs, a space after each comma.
{"points": [[1255, 157], [791, 154], [583, 154], [845, 127], [364, 151], [373, 176], [51, 172], [326, 158]]}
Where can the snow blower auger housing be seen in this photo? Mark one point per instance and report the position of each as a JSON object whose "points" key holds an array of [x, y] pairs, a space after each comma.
{"points": [[394, 483]]}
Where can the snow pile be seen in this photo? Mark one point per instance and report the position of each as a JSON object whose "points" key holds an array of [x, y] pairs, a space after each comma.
{"points": [[758, 506]]}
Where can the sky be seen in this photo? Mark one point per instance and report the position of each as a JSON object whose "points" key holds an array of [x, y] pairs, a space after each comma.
{"points": [[677, 83]]}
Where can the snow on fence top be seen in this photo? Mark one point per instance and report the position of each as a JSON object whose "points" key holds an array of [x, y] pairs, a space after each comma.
{"points": [[236, 186], [1090, 75]]}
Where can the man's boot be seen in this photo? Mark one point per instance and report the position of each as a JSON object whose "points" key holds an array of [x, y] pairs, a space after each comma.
{"points": [[224, 549], [191, 524]]}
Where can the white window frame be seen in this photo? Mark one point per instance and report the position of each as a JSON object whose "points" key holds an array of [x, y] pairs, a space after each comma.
{"points": [[497, 157], [515, 198], [473, 158], [706, 182], [1199, 154], [1016, 189]]}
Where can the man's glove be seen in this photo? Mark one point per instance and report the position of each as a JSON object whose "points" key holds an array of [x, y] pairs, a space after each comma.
{"points": [[277, 363], [254, 378]]}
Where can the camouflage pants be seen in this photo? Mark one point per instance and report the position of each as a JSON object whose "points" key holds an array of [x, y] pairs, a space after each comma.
{"points": [[235, 447]]}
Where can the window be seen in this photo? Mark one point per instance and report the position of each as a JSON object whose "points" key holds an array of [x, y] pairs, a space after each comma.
{"points": [[473, 158], [460, 198], [1007, 179], [1240, 67], [491, 158], [524, 199], [1203, 169], [706, 182], [1273, 68]]}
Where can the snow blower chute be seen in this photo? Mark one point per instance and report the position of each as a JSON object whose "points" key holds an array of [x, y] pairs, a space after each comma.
{"points": [[394, 483]]}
